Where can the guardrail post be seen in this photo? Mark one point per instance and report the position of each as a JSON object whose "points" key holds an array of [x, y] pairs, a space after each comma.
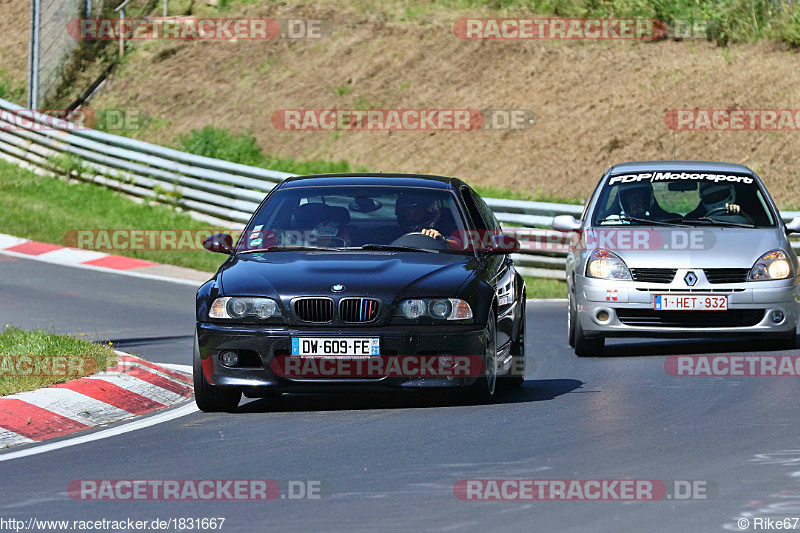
{"points": [[121, 32], [33, 56]]}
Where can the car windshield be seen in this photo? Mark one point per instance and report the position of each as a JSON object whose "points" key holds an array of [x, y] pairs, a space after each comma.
{"points": [[356, 217], [686, 198]]}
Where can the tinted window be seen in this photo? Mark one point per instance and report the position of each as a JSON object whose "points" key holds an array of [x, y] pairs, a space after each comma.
{"points": [[352, 216]]}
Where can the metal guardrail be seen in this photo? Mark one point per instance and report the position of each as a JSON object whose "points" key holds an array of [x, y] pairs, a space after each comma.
{"points": [[218, 190]]}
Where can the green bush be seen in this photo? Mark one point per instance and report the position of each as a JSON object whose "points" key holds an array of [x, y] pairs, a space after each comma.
{"points": [[220, 143], [787, 29], [726, 21]]}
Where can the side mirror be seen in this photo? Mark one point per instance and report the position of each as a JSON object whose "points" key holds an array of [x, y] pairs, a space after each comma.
{"points": [[565, 223], [793, 226], [221, 243], [503, 244]]}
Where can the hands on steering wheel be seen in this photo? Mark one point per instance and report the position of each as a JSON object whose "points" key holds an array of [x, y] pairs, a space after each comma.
{"points": [[730, 209], [432, 233]]}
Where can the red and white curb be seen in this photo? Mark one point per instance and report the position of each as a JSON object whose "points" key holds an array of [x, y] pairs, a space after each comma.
{"points": [[98, 261], [69, 256], [131, 388]]}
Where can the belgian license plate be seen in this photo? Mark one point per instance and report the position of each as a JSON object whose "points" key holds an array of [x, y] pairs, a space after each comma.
{"points": [[336, 347], [690, 302]]}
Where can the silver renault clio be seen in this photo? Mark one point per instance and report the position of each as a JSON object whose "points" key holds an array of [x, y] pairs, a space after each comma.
{"points": [[680, 248]]}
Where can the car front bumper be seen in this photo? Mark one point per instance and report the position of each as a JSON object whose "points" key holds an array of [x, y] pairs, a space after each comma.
{"points": [[630, 308], [265, 343]]}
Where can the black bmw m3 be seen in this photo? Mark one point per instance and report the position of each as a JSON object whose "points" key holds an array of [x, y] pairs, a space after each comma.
{"points": [[353, 282]]}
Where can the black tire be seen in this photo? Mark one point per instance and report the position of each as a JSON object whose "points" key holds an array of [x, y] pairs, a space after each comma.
{"points": [[570, 325], [482, 391], [516, 374], [588, 347], [209, 398]]}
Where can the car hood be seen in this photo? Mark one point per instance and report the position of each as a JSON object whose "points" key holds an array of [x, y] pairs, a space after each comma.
{"points": [[379, 274], [698, 247]]}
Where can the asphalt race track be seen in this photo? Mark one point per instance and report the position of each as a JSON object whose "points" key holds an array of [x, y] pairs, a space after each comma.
{"points": [[390, 462]]}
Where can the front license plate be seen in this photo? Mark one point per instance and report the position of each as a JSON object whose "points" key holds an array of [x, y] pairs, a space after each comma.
{"points": [[337, 347], [687, 302]]}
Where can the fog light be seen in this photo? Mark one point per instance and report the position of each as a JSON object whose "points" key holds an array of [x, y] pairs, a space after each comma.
{"points": [[229, 358], [603, 316], [777, 316]]}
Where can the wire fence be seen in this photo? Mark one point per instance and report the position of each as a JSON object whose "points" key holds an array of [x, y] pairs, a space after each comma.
{"points": [[54, 54]]}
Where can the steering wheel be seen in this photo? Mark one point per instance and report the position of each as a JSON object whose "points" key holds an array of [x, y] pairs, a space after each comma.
{"points": [[724, 210], [417, 239]]}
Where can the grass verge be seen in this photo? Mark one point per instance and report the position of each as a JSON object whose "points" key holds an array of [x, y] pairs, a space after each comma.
{"points": [[45, 209], [545, 287], [35, 359]]}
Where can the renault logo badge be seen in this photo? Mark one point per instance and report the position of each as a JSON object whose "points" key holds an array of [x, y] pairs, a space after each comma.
{"points": [[690, 278], [338, 287]]}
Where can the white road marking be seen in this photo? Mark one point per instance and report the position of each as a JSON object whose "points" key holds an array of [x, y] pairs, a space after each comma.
{"points": [[172, 414]]}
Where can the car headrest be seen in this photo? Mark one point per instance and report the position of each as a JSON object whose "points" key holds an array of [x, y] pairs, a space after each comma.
{"points": [[337, 214], [307, 216]]}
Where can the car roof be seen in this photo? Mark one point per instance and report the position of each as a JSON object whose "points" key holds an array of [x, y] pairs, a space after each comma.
{"points": [[365, 178], [695, 166]]}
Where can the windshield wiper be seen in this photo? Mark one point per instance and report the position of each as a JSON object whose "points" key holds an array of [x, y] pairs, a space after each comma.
{"points": [[644, 221], [716, 222], [392, 247], [288, 249]]}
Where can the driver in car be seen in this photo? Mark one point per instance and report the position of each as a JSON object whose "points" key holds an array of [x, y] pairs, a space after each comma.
{"points": [[421, 214], [718, 200]]}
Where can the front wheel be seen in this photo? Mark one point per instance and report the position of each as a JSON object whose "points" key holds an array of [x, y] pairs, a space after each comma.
{"points": [[482, 391], [570, 325], [210, 398], [516, 374], [587, 347]]}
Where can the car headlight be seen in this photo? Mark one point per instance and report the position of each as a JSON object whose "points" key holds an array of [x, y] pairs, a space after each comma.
{"points": [[441, 308], [606, 265], [238, 308], [772, 265]]}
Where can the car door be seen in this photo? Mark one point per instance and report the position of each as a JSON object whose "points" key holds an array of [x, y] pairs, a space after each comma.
{"points": [[500, 271]]}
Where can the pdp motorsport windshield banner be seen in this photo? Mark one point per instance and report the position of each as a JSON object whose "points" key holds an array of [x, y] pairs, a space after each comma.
{"points": [[672, 176]]}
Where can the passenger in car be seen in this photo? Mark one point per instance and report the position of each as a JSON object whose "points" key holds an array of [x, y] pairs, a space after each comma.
{"points": [[638, 201]]}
